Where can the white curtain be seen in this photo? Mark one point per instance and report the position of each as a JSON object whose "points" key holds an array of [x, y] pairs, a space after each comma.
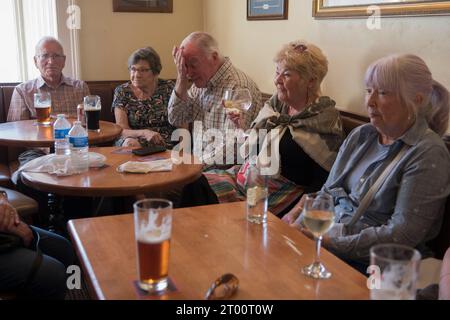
{"points": [[69, 24], [23, 23], [9, 55], [39, 19]]}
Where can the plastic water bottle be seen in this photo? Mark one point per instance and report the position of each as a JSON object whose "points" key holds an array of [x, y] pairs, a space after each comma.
{"points": [[61, 129], [79, 148]]}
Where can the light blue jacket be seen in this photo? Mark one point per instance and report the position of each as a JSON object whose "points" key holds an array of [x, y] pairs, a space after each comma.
{"points": [[408, 208]]}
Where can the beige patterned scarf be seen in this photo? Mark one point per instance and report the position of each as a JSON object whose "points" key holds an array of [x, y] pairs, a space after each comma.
{"points": [[317, 129]]}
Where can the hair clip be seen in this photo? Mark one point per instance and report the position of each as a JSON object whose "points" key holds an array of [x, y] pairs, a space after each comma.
{"points": [[300, 48]]}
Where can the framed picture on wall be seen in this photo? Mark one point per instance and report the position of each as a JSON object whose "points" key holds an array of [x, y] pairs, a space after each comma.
{"points": [[267, 9], [325, 9], [165, 6]]}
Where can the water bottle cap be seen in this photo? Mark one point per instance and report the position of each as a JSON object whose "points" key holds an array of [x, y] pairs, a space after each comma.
{"points": [[61, 115], [77, 122]]}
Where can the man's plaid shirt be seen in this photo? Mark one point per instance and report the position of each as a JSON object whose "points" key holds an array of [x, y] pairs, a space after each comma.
{"points": [[65, 97], [205, 104]]}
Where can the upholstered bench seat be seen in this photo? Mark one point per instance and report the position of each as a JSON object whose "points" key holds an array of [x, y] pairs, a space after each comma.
{"points": [[24, 205], [5, 175]]}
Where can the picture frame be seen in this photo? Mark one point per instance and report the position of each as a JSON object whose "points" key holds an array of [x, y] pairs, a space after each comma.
{"points": [[162, 6], [326, 9], [267, 9]]}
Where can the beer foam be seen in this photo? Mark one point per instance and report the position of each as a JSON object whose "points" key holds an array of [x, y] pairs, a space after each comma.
{"points": [[92, 108], [152, 237], [150, 232], [89, 107]]}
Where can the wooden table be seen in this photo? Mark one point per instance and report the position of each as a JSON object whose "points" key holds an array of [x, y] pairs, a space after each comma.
{"points": [[27, 134], [107, 182], [206, 243]]}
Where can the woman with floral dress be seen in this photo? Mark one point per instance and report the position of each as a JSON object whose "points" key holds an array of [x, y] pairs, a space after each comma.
{"points": [[140, 105]]}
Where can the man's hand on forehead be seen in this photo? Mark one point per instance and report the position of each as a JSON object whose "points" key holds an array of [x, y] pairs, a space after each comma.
{"points": [[176, 50]]}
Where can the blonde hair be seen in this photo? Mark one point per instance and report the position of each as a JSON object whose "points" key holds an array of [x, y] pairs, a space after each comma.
{"points": [[307, 59], [408, 75]]}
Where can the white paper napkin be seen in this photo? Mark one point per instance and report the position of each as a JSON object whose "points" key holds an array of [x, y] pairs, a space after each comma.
{"points": [[146, 167]]}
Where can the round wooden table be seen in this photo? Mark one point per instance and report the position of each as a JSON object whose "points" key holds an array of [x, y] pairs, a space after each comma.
{"points": [[27, 134], [107, 182]]}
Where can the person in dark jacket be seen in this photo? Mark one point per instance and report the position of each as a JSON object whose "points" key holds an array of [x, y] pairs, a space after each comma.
{"points": [[16, 264]]}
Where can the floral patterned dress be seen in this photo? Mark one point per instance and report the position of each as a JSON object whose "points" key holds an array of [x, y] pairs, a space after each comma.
{"points": [[148, 113]]}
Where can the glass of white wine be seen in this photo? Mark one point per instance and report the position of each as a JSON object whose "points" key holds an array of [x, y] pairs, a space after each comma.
{"points": [[237, 102], [318, 217]]}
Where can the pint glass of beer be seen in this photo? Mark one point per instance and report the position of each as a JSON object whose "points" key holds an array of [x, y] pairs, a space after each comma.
{"points": [[43, 107], [153, 226], [92, 108]]}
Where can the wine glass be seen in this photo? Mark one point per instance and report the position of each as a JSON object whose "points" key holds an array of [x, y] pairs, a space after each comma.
{"points": [[237, 102], [318, 217]]}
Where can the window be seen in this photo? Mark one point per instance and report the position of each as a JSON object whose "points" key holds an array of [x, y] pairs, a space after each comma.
{"points": [[23, 23], [9, 55]]}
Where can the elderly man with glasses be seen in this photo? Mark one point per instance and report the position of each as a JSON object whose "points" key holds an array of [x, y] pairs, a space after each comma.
{"points": [[66, 93]]}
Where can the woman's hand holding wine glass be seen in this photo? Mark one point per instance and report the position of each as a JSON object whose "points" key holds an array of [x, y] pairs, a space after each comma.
{"points": [[236, 103]]}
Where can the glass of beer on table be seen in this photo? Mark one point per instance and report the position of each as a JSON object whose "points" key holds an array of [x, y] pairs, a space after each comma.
{"points": [[153, 226], [43, 107], [92, 108]]}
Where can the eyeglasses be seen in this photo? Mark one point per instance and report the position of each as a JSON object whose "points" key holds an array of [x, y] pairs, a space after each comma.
{"points": [[142, 70], [47, 56]]}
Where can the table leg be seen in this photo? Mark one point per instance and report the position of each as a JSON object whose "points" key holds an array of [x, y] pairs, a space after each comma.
{"points": [[56, 218], [99, 205]]}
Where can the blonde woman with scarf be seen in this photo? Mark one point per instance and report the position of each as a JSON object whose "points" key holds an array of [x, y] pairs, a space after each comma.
{"points": [[309, 134]]}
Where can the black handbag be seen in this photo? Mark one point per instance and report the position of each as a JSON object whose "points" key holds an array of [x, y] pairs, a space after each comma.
{"points": [[9, 241]]}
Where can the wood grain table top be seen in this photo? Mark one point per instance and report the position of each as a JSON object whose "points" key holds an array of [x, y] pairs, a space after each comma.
{"points": [[108, 182], [27, 134], [206, 243]]}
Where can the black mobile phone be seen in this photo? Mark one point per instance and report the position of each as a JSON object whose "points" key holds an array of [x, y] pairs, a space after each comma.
{"points": [[145, 151]]}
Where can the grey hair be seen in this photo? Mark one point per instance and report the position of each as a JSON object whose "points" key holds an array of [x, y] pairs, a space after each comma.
{"points": [[204, 41], [44, 40], [408, 75], [147, 54]]}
